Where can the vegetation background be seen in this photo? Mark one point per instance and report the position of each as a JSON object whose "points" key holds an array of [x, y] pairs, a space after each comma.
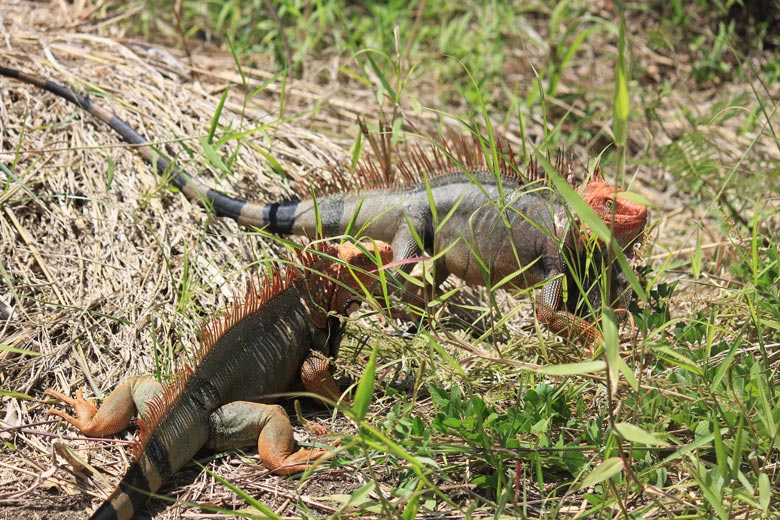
{"points": [[106, 272]]}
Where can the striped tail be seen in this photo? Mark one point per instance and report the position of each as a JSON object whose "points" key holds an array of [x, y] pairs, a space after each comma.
{"points": [[284, 218], [129, 497], [223, 205]]}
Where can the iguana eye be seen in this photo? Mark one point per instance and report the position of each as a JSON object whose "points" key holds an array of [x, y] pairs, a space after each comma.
{"points": [[363, 261]]}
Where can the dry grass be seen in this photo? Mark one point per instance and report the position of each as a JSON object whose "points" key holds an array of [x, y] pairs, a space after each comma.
{"points": [[104, 267], [96, 267]]}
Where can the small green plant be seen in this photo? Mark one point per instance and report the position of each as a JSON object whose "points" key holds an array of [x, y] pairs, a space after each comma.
{"points": [[761, 266], [711, 52], [498, 438]]}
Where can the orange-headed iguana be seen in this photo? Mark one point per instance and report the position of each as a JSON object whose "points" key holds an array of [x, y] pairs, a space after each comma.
{"points": [[488, 226], [281, 334]]}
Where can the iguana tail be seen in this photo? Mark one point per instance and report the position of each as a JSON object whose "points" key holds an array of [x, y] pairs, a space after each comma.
{"points": [[284, 218], [223, 205], [129, 497]]}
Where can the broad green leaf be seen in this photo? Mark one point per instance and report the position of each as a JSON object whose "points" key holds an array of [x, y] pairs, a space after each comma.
{"points": [[764, 492], [604, 471], [358, 498], [634, 433], [573, 369], [628, 374], [711, 484]]}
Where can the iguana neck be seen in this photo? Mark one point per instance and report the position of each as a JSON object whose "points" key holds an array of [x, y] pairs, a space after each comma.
{"points": [[333, 282]]}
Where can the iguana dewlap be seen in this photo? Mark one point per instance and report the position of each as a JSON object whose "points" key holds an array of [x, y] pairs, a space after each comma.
{"points": [[484, 226], [282, 333]]}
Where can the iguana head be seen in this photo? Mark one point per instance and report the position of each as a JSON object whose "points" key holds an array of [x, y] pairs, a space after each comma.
{"points": [[627, 219], [338, 286]]}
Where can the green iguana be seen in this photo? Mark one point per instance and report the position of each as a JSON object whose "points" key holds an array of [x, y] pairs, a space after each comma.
{"points": [[488, 227], [282, 333]]}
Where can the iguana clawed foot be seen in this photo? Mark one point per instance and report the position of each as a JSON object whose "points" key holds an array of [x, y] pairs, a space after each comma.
{"points": [[85, 412], [317, 379]]}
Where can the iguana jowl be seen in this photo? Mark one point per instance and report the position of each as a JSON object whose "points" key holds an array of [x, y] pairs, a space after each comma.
{"points": [[282, 333], [484, 226]]}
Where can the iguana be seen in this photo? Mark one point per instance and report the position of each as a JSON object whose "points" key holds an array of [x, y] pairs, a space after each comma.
{"points": [[486, 225], [283, 332]]}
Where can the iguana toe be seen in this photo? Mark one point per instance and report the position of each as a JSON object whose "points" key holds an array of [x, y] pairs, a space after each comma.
{"points": [[297, 462], [85, 410]]}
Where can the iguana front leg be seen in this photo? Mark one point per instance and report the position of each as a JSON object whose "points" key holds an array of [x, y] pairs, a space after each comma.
{"points": [[242, 423], [564, 323], [317, 379], [405, 246], [129, 399]]}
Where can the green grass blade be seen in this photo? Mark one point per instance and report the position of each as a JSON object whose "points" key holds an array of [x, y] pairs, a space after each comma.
{"points": [[215, 117], [604, 471], [365, 387], [621, 101], [574, 369]]}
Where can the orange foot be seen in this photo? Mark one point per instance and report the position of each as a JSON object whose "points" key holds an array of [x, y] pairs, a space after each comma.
{"points": [[315, 428], [297, 462], [85, 410]]}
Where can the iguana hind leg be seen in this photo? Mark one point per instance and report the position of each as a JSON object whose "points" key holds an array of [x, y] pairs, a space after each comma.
{"points": [[114, 415], [240, 424]]}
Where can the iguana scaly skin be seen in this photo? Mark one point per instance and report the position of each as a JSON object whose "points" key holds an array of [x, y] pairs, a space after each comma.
{"points": [[486, 225], [282, 333]]}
